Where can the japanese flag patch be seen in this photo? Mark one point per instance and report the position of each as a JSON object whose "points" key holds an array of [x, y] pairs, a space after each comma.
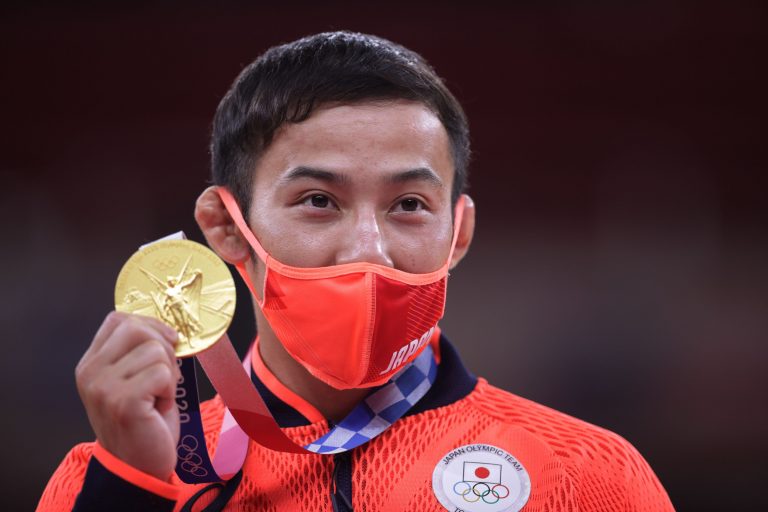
{"points": [[481, 478]]}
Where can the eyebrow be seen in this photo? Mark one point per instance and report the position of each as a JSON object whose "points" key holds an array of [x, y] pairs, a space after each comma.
{"points": [[419, 174], [301, 171]]}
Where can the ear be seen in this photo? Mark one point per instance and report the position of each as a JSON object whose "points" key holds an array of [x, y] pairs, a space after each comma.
{"points": [[219, 229], [466, 231]]}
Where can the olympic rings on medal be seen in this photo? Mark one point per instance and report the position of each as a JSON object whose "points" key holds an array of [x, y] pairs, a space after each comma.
{"points": [[481, 491], [166, 264], [189, 460]]}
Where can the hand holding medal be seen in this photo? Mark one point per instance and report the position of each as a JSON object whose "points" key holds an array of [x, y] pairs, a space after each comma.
{"points": [[183, 298], [187, 287]]}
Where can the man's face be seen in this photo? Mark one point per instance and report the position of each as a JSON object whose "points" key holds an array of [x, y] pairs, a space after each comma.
{"points": [[369, 182]]}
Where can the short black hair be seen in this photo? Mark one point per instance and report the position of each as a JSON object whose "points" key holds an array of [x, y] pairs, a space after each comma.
{"points": [[288, 82]]}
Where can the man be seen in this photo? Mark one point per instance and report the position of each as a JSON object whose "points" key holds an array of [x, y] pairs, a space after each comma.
{"points": [[347, 158]]}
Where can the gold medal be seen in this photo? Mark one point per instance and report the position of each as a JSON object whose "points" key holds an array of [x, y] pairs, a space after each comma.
{"points": [[181, 283]]}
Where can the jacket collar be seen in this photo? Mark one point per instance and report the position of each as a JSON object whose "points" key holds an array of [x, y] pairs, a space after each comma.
{"points": [[453, 382]]}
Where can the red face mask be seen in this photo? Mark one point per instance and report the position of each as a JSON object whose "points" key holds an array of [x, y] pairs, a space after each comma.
{"points": [[352, 325]]}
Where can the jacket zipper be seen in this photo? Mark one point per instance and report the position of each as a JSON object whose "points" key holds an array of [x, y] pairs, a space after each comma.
{"points": [[341, 490]]}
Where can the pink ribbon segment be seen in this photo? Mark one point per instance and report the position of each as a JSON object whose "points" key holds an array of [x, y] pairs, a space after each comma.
{"points": [[246, 407]]}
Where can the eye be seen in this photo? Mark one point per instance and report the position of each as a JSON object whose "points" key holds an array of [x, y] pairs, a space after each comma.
{"points": [[410, 204], [318, 201]]}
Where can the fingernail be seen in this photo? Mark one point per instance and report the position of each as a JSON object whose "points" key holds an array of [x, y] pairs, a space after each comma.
{"points": [[170, 333]]}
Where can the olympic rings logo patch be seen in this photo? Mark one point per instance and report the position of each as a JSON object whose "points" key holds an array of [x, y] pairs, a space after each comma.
{"points": [[481, 481], [189, 460], [480, 478], [472, 492]]}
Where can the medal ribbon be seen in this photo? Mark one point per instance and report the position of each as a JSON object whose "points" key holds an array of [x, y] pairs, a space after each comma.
{"points": [[247, 415]]}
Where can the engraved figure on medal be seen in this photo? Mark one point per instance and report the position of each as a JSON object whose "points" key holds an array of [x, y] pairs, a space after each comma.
{"points": [[177, 301]]}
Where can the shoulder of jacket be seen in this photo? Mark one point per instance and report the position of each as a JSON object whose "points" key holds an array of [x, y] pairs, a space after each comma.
{"points": [[568, 436]]}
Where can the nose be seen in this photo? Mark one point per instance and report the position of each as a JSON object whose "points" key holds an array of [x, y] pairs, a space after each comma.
{"points": [[363, 242]]}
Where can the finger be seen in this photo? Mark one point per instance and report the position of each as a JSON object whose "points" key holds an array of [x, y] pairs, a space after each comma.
{"points": [[116, 318], [168, 332], [131, 333], [108, 326], [144, 355], [136, 397], [166, 405], [154, 381]]}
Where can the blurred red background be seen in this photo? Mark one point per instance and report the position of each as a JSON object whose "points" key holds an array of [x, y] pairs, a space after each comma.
{"points": [[619, 268]]}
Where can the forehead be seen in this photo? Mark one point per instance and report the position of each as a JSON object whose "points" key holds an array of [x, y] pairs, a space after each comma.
{"points": [[361, 140]]}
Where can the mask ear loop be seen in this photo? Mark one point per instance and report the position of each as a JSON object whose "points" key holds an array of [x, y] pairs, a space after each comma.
{"points": [[458, 216], [234, 211]]}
